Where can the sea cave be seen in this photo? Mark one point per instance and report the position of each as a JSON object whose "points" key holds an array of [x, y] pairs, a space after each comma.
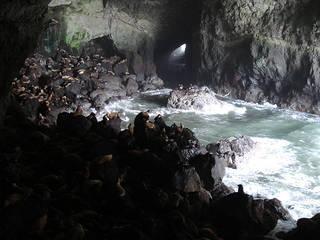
{"points": [[160, 119]]}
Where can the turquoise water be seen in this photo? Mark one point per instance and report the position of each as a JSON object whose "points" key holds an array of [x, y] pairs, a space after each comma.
{"points": [[285, 163]]}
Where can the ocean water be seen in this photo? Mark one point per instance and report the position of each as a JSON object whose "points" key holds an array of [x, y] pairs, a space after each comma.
{"points": [[285, 163]]}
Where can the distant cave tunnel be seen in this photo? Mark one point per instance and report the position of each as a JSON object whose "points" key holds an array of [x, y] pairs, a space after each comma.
{"points": [[174, 63]]}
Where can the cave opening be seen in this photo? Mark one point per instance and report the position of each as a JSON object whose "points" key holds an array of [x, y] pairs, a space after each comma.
{"points": [[174, 63]]}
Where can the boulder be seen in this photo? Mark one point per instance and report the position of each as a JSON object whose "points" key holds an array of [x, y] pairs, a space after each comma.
{"points": [[192, 98], [131, 85], [121, 68], [186, 179], [239, 215], [307, 228], [210, 171], [107, 81], [152, 83], [230, 149]]}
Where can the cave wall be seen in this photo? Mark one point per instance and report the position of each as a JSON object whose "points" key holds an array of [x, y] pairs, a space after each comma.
{"points": [[138, 28], [262, 50], [21, 22]]}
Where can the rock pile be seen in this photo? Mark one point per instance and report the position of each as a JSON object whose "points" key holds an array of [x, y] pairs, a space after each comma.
{"points": [[50, 85], [85, 179]]}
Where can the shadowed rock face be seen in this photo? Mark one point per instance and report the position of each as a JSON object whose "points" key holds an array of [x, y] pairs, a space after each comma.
{"points": [[263, 51], [20, 26]]}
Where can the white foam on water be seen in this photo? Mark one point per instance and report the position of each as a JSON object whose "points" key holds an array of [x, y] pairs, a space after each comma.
{"points": [[221, 108], [257, 106], [270, 170], [275, 168], [165, 91]]}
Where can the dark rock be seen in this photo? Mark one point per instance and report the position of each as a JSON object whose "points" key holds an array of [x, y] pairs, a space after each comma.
{"points": [[77, 125], [106, 169], [110, 82], [254, 61], [186, 179], [244, 216], [73, 90], [220, 191], [140, 128], [211, 171], [121, 68], [307, 228]]}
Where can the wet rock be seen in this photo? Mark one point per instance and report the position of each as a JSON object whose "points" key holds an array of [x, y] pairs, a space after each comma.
{"points": [[307, 228], [192, 98], [220, 191], [244, 215], [231, 149], [186, 179], [131, 85], [110, 82], [152, 83], [211, 171]]}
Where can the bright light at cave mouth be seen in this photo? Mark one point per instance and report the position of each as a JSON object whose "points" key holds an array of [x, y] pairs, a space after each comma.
{"points": [[180, 51], [183, 48]]}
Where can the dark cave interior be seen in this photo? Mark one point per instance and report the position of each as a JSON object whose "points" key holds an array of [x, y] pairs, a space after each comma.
{"points": [[81, 178]]}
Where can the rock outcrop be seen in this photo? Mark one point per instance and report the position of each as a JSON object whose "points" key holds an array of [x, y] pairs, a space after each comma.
{"points": [[49, 85], [85, 179], [262, 51], [192, 97], [307, 228], [229, 150], [246, 216]]}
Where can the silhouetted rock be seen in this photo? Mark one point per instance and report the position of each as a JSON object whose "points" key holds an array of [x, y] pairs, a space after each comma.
{"points": [[239, 216], [307, 228], [87, 179]]}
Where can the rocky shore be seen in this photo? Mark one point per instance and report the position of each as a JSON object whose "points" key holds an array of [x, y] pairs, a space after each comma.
{"points": [[47, 86], [85, 179]]}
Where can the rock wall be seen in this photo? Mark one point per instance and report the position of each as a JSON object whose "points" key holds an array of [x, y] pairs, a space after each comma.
{"points": [[137, 28], [20, 26], [262, 50]]}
